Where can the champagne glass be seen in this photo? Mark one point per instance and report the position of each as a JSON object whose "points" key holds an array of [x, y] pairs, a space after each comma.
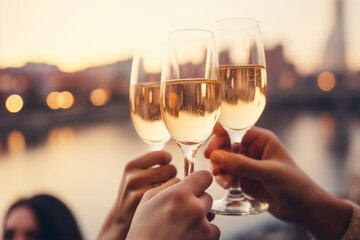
{"points": [[243, 77], [144, 96], [190, 90]]}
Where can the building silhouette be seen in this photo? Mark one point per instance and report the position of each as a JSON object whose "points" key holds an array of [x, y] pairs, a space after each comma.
{"points": [[334, 59]]}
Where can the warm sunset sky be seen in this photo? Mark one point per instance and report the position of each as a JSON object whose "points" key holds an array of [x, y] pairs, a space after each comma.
{"points": [[75, 34]]}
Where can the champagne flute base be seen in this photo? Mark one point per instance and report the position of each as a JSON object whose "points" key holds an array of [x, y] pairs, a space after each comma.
{"points": [[240, 205]]}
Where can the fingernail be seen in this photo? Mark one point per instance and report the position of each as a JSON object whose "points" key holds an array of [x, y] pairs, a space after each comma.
{"points": [[217, 157], [224, 183], [215, 171], [206, 154]]}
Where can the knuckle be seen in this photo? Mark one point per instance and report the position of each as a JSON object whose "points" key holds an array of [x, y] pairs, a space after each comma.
{"points": [[135, 196], [270, 133], [149, 194], [176, 197], [208, 197], [214, 233], [128, 166], [171, 170], [198, 211], [131, 180]]}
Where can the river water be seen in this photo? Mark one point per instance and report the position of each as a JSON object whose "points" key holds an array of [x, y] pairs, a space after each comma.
{"points": [[82, 164]]}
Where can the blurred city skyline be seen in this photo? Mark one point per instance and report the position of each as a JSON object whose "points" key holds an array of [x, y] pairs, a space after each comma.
{"points": [[64, 107], [46, 85], [75, 35]]}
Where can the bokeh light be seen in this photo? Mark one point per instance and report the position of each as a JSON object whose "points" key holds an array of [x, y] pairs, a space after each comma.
{"points": [[65, 100], [51, 100], [99, 96], [16, 142], [14, 103], [56, 100], [326, 81]]}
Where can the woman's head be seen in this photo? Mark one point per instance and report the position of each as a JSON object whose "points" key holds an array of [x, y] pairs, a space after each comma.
{"points": [[40, 217], [21, 223]]}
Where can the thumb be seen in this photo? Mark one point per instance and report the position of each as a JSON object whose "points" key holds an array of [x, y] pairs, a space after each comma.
{"points": [[241, 165], [154, 191]]}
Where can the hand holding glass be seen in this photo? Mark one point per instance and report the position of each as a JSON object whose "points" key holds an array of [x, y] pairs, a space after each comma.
{"points": [[243, 77]]}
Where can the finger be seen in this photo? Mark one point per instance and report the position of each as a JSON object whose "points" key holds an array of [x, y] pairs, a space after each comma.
{"points": [[254, 189], [167, 184], [263, 144], [256, 140], [197, 182], [219, 130], [221, 177], [206, 201], [255, 133], [153, 176], [149, 160], [216, 142], [224, 180], [152, 192], [240, 165], [201, 229], [213, 232]]}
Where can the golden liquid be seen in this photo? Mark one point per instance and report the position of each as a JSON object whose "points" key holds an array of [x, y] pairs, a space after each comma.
{"points": [[190, 108], [145, 112], [243, 96]]}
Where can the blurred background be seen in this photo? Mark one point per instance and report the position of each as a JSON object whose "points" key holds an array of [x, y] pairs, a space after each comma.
{"points": [[64, 78]]}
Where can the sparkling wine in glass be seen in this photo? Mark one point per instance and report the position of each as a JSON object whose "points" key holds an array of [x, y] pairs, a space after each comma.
{"points": [[190, 90], [243, 77], [144, 97]]}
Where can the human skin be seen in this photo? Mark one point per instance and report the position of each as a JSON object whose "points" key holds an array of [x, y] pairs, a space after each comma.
{"points": [[140, 175], [21, 224], [269, 174], [176, 210]]}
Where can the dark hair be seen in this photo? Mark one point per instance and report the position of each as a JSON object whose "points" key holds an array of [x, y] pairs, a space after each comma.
{"points": [[55, 220]]}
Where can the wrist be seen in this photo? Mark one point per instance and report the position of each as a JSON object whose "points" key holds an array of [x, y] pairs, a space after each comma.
{"points": [[327, 217], [115, 227]]}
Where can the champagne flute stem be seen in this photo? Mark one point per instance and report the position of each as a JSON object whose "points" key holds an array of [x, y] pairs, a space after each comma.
{"points": [[235, 139], [189, 157], [156, 146]]}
